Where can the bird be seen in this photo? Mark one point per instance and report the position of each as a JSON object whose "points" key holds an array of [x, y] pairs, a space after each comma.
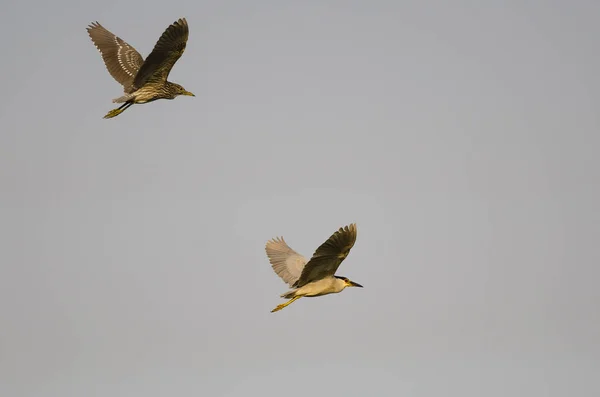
{"points": [[143, 81], [317, 276]]}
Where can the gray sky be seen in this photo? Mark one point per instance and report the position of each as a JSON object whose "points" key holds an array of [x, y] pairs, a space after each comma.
{"points": [[462, 139]]}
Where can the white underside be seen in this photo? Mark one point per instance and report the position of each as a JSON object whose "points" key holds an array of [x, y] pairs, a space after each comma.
{"points": [[329, 285]]}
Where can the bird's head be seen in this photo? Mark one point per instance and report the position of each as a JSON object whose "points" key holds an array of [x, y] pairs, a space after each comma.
{"points": [[348, 282], [179, 90]]}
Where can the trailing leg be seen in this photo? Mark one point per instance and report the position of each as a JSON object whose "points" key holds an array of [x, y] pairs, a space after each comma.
{"points": [[279, 307], [118, 111]]}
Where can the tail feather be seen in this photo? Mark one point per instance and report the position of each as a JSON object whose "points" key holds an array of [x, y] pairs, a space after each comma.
{"points": [[123, 98], [289, 294]]}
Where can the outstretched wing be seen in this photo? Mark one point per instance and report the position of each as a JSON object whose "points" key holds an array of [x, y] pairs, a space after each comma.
{"points": [[328, 257], [166, 52], [122, 60], [286, 262]]}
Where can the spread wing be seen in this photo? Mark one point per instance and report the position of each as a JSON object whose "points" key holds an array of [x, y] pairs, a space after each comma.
{"points": [[286, 262], [328, 257], [166, 52], [122, 60]]}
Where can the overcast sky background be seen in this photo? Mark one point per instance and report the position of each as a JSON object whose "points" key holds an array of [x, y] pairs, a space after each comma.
{"points": [[461, 137]]}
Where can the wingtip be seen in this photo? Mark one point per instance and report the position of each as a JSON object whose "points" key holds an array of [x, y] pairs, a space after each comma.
{"points": [[92, 25], [275, 240], [350, 227]]}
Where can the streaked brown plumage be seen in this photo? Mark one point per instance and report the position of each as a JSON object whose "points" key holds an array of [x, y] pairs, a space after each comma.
{"points": [[142, 81]]}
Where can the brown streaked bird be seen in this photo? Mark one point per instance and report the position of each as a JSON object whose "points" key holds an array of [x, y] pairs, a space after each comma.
{"points": [[142, 81], [317, 276]]}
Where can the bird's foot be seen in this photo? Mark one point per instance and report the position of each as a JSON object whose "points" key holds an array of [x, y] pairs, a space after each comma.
{"points": [[113, 113], [279, 307]]}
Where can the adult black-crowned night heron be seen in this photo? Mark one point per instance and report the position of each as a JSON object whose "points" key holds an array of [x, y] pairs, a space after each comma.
{"points": [[143, 81], [317, 276]]}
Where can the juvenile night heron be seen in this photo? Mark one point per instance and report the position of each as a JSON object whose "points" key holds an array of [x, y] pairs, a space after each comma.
{"points": [[143, 81], [317, 276]]}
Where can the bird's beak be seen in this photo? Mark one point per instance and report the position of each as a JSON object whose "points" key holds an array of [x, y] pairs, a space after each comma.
{"points": [[353, 284], [187, 93]]}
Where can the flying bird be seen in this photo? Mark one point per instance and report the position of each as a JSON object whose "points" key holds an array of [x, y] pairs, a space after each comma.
{"points": [[143, 81], [317, 276]]}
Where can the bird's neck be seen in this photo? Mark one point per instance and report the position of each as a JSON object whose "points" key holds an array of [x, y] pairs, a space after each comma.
{"points": [[339, 284]]}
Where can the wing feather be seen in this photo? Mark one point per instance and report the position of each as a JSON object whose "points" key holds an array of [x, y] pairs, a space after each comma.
{"points": [[166, 52], [328, 257], [286, 262], [122, 60]]}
